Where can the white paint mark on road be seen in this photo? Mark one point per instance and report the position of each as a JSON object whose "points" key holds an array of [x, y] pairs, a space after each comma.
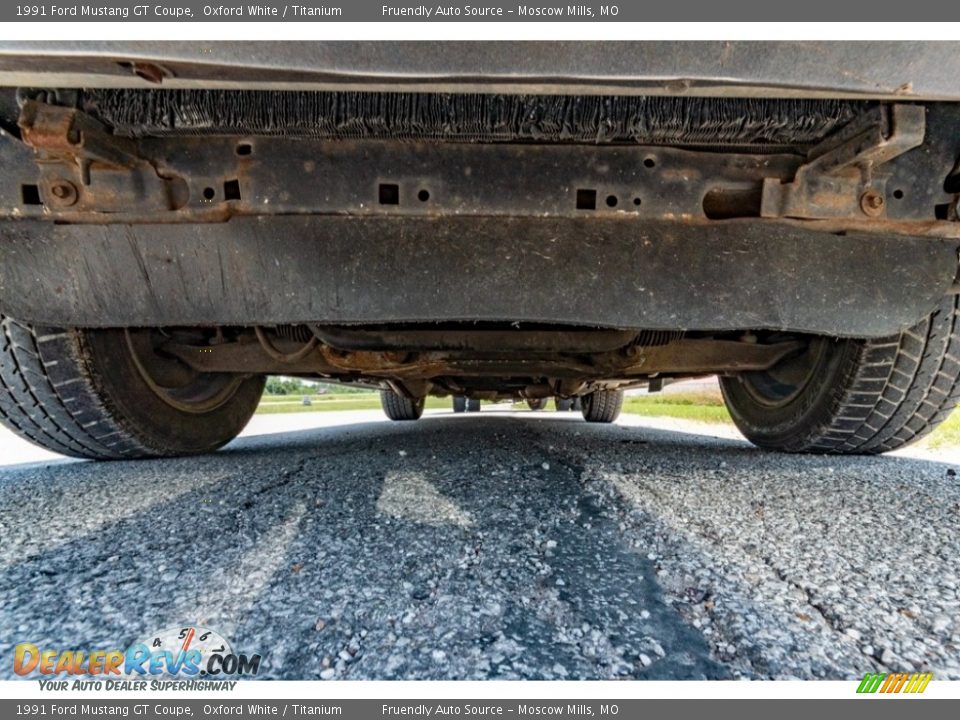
{"points": [[410, 496]]}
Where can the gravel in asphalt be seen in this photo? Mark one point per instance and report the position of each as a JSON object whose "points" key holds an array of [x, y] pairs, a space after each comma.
{"points": [[495, 546]]}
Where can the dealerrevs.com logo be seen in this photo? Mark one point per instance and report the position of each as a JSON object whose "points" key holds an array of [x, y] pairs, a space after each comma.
{"points": [[190, 652]]}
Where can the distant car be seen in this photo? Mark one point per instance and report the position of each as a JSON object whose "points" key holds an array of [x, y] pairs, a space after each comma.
{"points": [[477, 220]]}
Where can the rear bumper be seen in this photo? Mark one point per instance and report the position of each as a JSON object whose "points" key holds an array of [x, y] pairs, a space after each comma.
{"points": [[596, 272], [889, 70]]}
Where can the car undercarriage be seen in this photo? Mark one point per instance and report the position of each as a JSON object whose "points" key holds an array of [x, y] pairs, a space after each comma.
{"points": [[442, 238]]}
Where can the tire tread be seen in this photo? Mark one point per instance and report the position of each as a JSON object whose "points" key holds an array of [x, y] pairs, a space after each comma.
{"points": [[889, 393], [398, 407], [47, 395], [603, 406]]}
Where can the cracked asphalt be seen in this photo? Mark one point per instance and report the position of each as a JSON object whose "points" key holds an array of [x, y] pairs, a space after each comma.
{"points": [[504, 545]]}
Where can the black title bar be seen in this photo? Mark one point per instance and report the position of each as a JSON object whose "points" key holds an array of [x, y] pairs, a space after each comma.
{"points": [[480, 11], [84, 708]]}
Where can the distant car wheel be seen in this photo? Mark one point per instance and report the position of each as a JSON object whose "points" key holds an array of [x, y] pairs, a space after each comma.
{"points": [[536, 404], [564, 405], [577, 405], [473, 405], [398, 407], [602, 406], [459, 403]]}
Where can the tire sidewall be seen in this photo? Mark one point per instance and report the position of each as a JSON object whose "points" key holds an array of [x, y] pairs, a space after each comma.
{"points": [[793, 425], [159, 428]]}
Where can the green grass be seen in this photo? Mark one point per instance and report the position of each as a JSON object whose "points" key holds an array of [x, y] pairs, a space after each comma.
{"points": [[282, 404], [705, 407], [947, 435], [708, 407], [692, 406], [702, 406], [294, 404]]}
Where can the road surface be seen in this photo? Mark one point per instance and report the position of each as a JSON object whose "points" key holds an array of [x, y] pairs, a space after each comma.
{"points": [[499, 545]]}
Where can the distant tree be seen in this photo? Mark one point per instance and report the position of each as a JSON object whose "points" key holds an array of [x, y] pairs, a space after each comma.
{"points": [[335, 389], [278, 385]]}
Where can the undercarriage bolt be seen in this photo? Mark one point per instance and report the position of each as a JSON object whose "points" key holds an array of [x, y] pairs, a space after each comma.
{"points": [[872, 202], [63, 192]]}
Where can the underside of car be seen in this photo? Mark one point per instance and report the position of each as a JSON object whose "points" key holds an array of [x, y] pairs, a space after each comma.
{"points": [[174, 230]]}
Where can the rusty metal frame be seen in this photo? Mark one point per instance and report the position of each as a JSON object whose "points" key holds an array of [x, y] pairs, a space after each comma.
{"points": [[843, 175], [685, 356], [83, 167], [85, 175]]}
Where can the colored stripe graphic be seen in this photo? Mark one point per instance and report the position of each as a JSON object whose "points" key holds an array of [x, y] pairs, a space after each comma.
{"points": [[870, 683], [913, 683], [922, 682]]}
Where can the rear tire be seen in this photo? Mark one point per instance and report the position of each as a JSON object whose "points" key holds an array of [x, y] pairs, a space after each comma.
{"points": [[537, 404], [86, 394], [473, 405], [602, 406], [854, 396], [398, 407], [459, 403], [563, 405]]}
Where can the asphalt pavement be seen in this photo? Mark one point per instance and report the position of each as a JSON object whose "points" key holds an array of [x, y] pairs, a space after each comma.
{"points": [[500, 545]]}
